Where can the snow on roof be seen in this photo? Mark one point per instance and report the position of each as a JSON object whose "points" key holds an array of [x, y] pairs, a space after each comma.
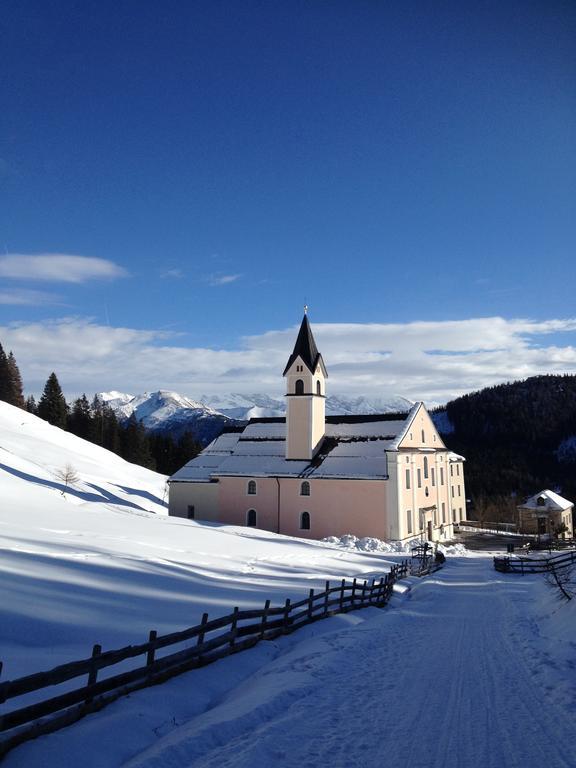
{"points": [[552, 501], [455, 457], [354, 447], [380, 429]]}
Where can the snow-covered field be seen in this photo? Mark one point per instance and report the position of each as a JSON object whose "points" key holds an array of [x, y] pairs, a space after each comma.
{"points": [[466, 668]]}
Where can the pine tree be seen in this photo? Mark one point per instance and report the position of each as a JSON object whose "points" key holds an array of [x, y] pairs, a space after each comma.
{"points": [[16, 394], [52, 406], [5, 387], [31, 406], [81, 422], [135, 445], [10, 380]]}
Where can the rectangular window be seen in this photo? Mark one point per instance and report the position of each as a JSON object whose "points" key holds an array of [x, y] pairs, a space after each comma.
{"points": [[423, 437], [409, 520], [426, 467], [458, 469], [191, 512], [451, 470], [460, 515], [433, 473], [419, 477], [459, 494], [452, 489], [441, 475], [454, 515], [435, 518], [443, 512], [408, 478]]}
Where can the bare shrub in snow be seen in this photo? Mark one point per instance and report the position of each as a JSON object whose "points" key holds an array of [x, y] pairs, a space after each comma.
{"points": [[563, 581], [67, 475]]}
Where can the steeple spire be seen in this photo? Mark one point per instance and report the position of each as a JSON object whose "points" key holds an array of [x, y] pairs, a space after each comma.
{"points": [[305, 384], [305, 347]]}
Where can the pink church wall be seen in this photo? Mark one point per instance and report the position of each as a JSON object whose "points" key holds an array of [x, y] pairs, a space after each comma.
{"points": [[336, 507]]}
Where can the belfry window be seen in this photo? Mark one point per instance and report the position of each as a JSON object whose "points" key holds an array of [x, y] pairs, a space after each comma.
{"points": [[299, 387], [318, 388]]}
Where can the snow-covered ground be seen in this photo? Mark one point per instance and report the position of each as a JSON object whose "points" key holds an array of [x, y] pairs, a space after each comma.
{"points": [[101, 562], [466, 668]]}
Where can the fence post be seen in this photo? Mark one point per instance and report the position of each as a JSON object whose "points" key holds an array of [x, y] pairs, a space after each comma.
{"points": [[264, 617], [325, 601], [151, 651], [202, 633], [372, 592], [233, 626], [353, 593], [342, 595], [92, 675], [286, 616], [363, 593], [310, 604], [380, 590]]}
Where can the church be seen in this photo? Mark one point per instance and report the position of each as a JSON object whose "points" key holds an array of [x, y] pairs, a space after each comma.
{"points": [[388, 476]]}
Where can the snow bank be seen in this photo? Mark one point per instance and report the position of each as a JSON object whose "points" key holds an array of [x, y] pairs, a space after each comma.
{"points": [[371, 544]]}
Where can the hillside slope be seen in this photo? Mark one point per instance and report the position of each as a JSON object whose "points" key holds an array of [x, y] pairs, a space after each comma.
{"points": [[517, 438], [102, 562]]}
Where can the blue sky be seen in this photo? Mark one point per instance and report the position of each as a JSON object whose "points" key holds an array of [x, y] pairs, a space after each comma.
{"points": [[214, 165]]}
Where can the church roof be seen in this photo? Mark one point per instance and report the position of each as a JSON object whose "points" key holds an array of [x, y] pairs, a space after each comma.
{"points": [[354, 447], [305, 348]]}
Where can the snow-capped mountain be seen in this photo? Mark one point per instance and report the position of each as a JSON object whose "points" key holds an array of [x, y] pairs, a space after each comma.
{"points": [[244, 406], [165, 411], [171, 412]]}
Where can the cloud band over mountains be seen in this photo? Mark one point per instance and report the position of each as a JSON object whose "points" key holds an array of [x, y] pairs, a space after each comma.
{"points": [[434, 361]]}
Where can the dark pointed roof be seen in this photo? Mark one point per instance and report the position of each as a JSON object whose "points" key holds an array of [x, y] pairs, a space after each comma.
{"points": [[305, 348]]}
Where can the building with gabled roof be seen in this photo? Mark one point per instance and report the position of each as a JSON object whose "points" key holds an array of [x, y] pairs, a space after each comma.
{"points": [[388, 476], [546, 513]]}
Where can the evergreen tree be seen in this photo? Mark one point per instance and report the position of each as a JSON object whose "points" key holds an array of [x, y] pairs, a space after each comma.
{"points": [[31, 406], [105, 426], [52, 406], [17, 397], [187, 448], [135, 445], [81, 422], [5, 387]]}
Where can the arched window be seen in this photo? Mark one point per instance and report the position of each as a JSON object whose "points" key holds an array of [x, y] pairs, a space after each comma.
{"points": [[299, 387], [251, 518], [425, 466], [252, 488], [318, 388], [305, 488], [305, 521]]}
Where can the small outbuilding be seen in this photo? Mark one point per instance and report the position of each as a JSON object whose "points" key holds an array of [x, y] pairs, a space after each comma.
{"points": [[546, 514]]}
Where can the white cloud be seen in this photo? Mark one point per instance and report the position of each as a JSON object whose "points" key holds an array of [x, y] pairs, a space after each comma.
{"points": [[215, 280], [433, 361], [57, 267], [25, 297]]}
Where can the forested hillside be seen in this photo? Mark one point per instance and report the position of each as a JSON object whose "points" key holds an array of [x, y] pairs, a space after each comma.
{"points": [[517, 438]]}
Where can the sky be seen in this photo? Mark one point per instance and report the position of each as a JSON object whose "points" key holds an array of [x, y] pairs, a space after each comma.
{"points": [[178, 179]]}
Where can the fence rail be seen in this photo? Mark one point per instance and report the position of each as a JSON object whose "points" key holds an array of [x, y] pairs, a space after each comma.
{"points": [[533, 565], [38, 717]]}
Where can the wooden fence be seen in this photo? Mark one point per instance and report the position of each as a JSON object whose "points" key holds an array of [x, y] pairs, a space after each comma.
{"points": [[213, 640], [532, 564]]}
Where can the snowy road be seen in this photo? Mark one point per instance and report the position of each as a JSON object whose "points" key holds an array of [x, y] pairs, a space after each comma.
{"points": [[458, 674], [451, 678]]}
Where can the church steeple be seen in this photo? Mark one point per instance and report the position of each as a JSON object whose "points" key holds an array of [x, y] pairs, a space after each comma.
{"points": [[306, 377]]}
